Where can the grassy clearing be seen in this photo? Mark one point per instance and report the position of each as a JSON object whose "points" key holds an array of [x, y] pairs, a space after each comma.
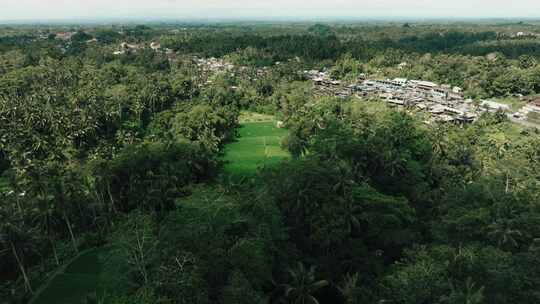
{"points": [[533, 117], [376, 107], [258, 145], [515, 103], [93, 271], [514, 131], [247, 116]]}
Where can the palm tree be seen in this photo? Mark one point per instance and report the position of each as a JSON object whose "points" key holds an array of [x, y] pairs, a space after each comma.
{"points": [[46, 219], [352, 209], [349, 287], [503, 232], [301, 288], [64, 206], [468, 293], [473, 295]]}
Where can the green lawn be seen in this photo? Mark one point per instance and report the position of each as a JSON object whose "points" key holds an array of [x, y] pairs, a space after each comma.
{"points": [[258, 145], [94, 271]]}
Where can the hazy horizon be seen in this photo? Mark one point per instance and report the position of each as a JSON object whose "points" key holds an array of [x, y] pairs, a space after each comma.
{"points": [[16, 10]]}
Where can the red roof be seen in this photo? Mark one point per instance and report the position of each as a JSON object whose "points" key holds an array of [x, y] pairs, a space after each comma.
{"points": [[535, 102]]}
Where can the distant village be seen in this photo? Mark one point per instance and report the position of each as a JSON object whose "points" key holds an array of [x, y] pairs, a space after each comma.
{"points": [[443, 102]]}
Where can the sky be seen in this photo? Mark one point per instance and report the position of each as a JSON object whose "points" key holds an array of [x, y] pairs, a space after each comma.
{"points": [[253, 9]]}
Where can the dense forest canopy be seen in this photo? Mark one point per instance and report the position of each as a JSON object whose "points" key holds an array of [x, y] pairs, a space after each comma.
{"points": [[114, 186]]}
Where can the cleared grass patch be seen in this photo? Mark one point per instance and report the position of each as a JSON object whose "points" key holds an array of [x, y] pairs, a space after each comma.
{"points": [[533, 117], [514, 102], [258, 145], [247, 116]]}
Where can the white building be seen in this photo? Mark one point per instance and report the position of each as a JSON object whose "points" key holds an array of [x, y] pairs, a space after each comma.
{"points": [[155, 46], [401, 81], [493, 106]]}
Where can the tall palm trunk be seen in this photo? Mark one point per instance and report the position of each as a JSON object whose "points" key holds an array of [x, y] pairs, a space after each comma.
{"points": [[55, 254], [63, 206], [21, 267], [19, 205], [73, 241], [507, 188], [113, 205]]}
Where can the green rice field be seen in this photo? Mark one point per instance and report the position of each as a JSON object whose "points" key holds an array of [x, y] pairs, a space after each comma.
{"points": [[92, 272], [258, 145], [96, 272]]}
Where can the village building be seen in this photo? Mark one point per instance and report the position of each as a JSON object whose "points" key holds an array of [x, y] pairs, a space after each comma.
{"points": [[400, 81], [127, 48], [155, 46], [64, 35], [424, 85], [492, 106], [533, 106], [403, 65], [445, 103]]}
